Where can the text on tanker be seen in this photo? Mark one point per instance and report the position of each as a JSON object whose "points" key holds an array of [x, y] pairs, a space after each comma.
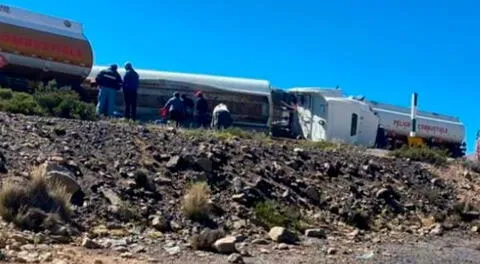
{"points": [[423, 127], [25, 42]]}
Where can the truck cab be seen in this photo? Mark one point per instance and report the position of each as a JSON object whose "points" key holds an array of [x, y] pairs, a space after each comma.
{"points": [[325, 114]]}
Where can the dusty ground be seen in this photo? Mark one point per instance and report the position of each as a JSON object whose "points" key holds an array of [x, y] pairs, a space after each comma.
{"points": [[454, 248]]}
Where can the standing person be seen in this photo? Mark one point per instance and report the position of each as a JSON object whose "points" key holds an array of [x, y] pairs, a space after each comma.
{"points": [[130, 88], [201, 110], [189, 106], [221, 117], [109, 82], [175, 108]]}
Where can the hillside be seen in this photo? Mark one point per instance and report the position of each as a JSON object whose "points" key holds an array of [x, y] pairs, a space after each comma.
{"points": [[129, 184]]}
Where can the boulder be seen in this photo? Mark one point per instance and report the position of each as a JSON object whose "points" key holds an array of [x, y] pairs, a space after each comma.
{"points": [[282, 235], [58, 174], [316, 233], [205, 164], [160, 223], [235, 258], [226, 245]]}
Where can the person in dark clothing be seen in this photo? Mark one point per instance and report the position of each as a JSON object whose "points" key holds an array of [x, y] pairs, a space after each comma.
{"points": [[130, 88], [189, 106], [109, 82], [201, 108], [175, 108]]}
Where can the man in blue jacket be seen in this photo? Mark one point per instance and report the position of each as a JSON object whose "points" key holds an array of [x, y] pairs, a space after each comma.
{"points": [[109, 82], [130, 88]]}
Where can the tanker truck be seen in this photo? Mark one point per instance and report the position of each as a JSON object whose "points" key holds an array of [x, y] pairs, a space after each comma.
{"points": [[35, 47], [435, 130], [327, 114]]}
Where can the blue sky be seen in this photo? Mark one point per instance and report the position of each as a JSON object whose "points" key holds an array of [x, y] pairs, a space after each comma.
{"points": [[381, 49]]}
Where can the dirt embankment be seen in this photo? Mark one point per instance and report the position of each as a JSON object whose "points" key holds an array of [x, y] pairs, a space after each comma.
{"points": [[134, 179]]}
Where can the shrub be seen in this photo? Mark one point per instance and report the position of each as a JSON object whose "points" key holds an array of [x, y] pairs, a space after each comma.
{"points": [[47, 100], [5, 94], [195, 203], [36, 206], [422, 154], [22, 103], [271, 214]]}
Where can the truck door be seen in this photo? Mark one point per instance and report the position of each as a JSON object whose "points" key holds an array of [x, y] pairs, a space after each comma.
{"points": [[319, 119], [304, 111]]}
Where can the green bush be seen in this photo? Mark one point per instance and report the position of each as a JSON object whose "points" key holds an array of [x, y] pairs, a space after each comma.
{"points": [[5, 94], [47, 100], [271, 213], [22, 103]]}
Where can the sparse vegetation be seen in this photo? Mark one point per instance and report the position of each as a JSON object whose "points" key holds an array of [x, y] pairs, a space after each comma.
{"points": [[271, 214], [37, 206], [127, 212], [226, 134], [195, 204], [422, 154], [47, 101]]}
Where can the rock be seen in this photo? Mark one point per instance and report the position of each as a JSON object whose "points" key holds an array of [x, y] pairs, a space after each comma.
{"points": [[282, 235], [206, 239], [237, 184], [112, 197], [162, 180], [475, 229], [331, 251], [160, 223], [27, 257], [46, 257], [3, 164], [239, 224], [260, 241], [316, 233], [90, 244], [205, 164], [226, 245], [143, 181], [312, 193], [262, 185], [126, 255], [58, 174], [235, 258], [173, 250], [437, 230], [177, 163], [283, 246], [139, 249], [331, 170]]}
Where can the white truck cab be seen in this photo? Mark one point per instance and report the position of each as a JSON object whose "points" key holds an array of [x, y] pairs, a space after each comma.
{"points": [[325, 114]]}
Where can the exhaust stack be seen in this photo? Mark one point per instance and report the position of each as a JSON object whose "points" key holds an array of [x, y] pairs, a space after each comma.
{"points": [[413, 115]]}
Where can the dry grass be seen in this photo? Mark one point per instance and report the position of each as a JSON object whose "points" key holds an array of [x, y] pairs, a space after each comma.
{"points": [[226, 134], [195, 204], [36, 206], [422, 154]]}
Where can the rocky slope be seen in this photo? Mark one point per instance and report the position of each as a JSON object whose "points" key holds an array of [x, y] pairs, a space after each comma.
{"points": [[133, 180]]}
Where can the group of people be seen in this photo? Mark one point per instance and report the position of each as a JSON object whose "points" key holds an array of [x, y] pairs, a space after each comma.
{"points": [[180, 109], [110, 82], [184, 111]]}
